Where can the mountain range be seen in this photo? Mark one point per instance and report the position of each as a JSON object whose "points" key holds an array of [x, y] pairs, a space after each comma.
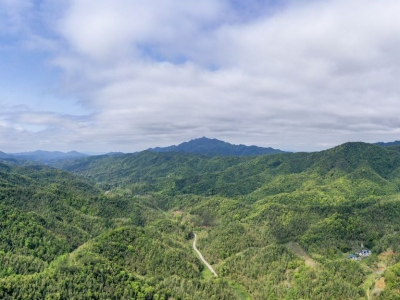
{"points": [[45, 157], [278, 226], [48, 156], [203, 146]]}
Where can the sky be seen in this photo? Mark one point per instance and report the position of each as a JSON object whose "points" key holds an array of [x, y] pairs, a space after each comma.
{"points": [[126, 75]]}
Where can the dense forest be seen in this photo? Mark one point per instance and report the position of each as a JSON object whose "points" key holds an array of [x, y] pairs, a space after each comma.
{"points": [[279, 226]]}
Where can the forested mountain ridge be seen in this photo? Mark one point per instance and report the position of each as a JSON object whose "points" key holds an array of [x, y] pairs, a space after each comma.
{"points": [[120, 228], [214, 147], [235, 176]]}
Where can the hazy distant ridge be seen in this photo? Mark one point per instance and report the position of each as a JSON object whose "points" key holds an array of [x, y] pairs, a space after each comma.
{"points": [[388, 144], [46, 156], [5, 155]]}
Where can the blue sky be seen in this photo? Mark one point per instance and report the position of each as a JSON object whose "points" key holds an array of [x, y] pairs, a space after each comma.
{"points": [[125, 75]]}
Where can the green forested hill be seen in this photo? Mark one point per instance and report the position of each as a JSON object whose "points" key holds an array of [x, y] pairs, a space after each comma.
{"points": [[274, 227]]}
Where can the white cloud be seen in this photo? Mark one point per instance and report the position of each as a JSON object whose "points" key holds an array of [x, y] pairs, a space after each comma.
{"points": [[154, 73], [111, 29]]}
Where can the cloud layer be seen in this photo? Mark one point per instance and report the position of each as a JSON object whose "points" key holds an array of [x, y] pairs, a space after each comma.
{"points": [[299, 76]]}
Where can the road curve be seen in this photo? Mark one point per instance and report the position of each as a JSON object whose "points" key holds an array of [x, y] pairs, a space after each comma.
{"points": [[202, 258]]}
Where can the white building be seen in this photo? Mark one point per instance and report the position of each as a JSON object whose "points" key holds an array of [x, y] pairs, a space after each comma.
{"points": [[365, 252]]}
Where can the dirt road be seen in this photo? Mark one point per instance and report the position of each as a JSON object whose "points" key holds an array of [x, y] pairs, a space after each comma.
{"points": [[202, 258]]}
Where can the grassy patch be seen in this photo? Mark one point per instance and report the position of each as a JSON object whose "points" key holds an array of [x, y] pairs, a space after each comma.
{"points": [[240, 291], [206, 274]]}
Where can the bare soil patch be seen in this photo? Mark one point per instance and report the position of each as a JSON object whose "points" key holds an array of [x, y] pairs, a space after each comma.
{"points": [[296, 249], [380, 284]]}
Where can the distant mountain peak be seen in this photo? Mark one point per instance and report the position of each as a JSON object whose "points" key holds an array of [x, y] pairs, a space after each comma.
{"points": [[215, 147]]}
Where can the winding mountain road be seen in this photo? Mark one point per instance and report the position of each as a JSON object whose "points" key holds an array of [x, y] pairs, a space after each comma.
{"points": [[202, 258]]}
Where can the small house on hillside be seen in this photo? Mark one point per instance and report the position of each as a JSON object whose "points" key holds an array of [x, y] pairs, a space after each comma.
{"points": [[354, 257], [365, 252]]}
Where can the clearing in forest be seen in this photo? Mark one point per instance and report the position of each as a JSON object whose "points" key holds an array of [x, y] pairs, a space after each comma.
{"points": [[296, 249]]}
